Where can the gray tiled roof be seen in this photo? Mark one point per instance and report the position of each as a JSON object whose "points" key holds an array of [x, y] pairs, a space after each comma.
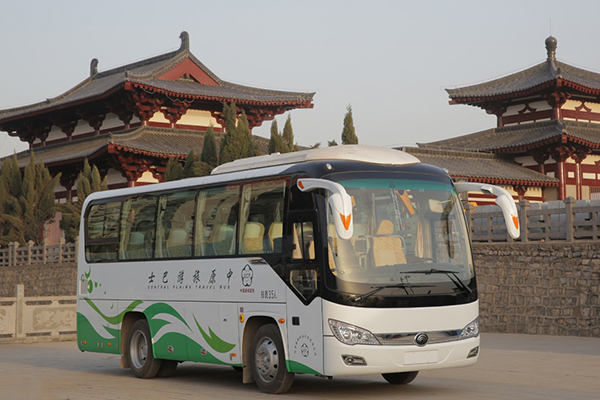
{"points": [[480, 166], [516, 136], [158, 142], [529, 78], [145, 72]]}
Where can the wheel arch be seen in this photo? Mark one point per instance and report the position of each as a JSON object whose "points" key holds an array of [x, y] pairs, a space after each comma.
{"points": [[250, 327], [128, 320]]}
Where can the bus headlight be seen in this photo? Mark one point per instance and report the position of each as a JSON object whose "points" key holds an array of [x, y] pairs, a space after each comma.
{"points": [[350, 334], [470, 331]]}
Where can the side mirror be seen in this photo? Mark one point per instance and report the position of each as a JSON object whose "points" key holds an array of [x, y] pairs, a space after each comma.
{"points": [[339, 201], [503, 199]]}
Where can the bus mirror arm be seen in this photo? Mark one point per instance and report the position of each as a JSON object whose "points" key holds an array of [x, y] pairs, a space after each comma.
{"points": [[339, 201], [503, 199]]}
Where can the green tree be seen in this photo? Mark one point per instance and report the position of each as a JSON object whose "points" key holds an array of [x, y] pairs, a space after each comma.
{"points": [[288, 136], [348, 133], [192, 167], [331, 143], [88, 182], [209, 150], [27, 202], [237, 142], [174, 170], [275, 141]]}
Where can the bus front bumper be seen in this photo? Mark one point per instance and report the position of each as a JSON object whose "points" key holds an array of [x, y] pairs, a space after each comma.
{"points": [[342, 359]]}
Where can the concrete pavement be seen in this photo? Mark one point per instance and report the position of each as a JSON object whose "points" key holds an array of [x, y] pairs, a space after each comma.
{"points": [[510, 367]]}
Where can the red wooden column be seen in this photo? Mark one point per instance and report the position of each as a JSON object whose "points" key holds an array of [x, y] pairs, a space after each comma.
{"points": [[579, 155], [560, 154]]}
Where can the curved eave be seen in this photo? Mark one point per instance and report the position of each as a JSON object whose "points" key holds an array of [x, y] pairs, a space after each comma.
{"points": [[564, 138], [507, 182], [90, 157], [291, 102], [62, 106], [115, 148], [555, 83]]}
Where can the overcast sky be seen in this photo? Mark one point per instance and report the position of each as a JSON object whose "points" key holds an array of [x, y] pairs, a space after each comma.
{"points": [[391, 60]]}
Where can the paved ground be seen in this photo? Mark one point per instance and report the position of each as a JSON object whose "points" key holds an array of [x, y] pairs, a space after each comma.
{"points": [[510, 367]]}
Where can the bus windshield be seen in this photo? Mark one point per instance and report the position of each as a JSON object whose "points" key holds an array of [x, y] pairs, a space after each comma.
{"points": [[409, 236]]}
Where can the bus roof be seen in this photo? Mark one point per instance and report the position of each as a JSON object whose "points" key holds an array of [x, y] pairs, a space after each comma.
{"points": [[361, 153]]}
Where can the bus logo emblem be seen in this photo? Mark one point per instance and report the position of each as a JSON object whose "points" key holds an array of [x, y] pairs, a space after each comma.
{"points": [[247, 275]]}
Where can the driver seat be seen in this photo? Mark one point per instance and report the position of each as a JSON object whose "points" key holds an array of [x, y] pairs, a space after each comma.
{"points": [[387, 249]]}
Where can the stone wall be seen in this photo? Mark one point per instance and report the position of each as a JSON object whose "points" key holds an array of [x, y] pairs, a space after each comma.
{"points": [[39, 280], [539, 288]]}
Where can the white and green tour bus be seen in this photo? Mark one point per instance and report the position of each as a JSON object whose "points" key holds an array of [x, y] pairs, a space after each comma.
{"points": [[339, 261]]}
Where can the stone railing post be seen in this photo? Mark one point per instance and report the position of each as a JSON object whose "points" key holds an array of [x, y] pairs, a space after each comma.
{"points": [[45, 250], [61, 245], [524, 219], [12, 253], [29, 246], [569, 203], [20, 295]]}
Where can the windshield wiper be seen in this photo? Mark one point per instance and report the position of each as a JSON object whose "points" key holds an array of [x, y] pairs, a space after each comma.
{"points": [[404, 286], [451, 275]]}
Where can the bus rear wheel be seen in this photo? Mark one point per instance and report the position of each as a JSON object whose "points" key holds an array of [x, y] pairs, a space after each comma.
{"points": [[139, 351], [400, 378], [268, 361]]}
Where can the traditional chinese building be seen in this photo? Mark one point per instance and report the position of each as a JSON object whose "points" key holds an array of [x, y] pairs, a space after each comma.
{"points": [[130, 120], [546, 143]]}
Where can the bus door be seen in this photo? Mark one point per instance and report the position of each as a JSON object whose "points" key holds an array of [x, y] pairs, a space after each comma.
{"points": [[304, 307]]}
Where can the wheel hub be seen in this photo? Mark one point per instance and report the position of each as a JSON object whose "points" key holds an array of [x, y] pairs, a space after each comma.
{"points": [[267, 360]]}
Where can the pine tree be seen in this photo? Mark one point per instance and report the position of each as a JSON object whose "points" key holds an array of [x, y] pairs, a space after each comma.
{"points": [[27, 203], [237, 142], [88, 182], [174, 170], [209, 150], [288, 136], [192, 167], [275, 141], [348, 133]]}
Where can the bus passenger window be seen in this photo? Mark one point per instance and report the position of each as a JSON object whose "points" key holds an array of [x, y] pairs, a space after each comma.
{"points": [[137, 228], [175, 224], [102, 232], [216, 221], [262, 217]]}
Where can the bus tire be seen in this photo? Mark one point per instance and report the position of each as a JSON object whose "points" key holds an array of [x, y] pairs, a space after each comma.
{"points": [[139, 351], [268, 361], [400, 378], [167, 368]]}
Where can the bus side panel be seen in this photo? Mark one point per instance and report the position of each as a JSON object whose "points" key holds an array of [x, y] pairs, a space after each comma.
{"points": [[212, 335], [167, 328], [98, 326], [305, 336]]}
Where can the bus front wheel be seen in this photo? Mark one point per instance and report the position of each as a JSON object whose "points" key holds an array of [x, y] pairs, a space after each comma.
{"points": [[400, 378], [139, 351], [268, 361]]}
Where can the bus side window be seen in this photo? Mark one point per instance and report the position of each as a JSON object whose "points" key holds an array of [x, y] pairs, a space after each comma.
{"points": [[304, 275], [137, 228], [303, 247], [216, 220], [261, 217], [102, 232], [174, 230]]}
